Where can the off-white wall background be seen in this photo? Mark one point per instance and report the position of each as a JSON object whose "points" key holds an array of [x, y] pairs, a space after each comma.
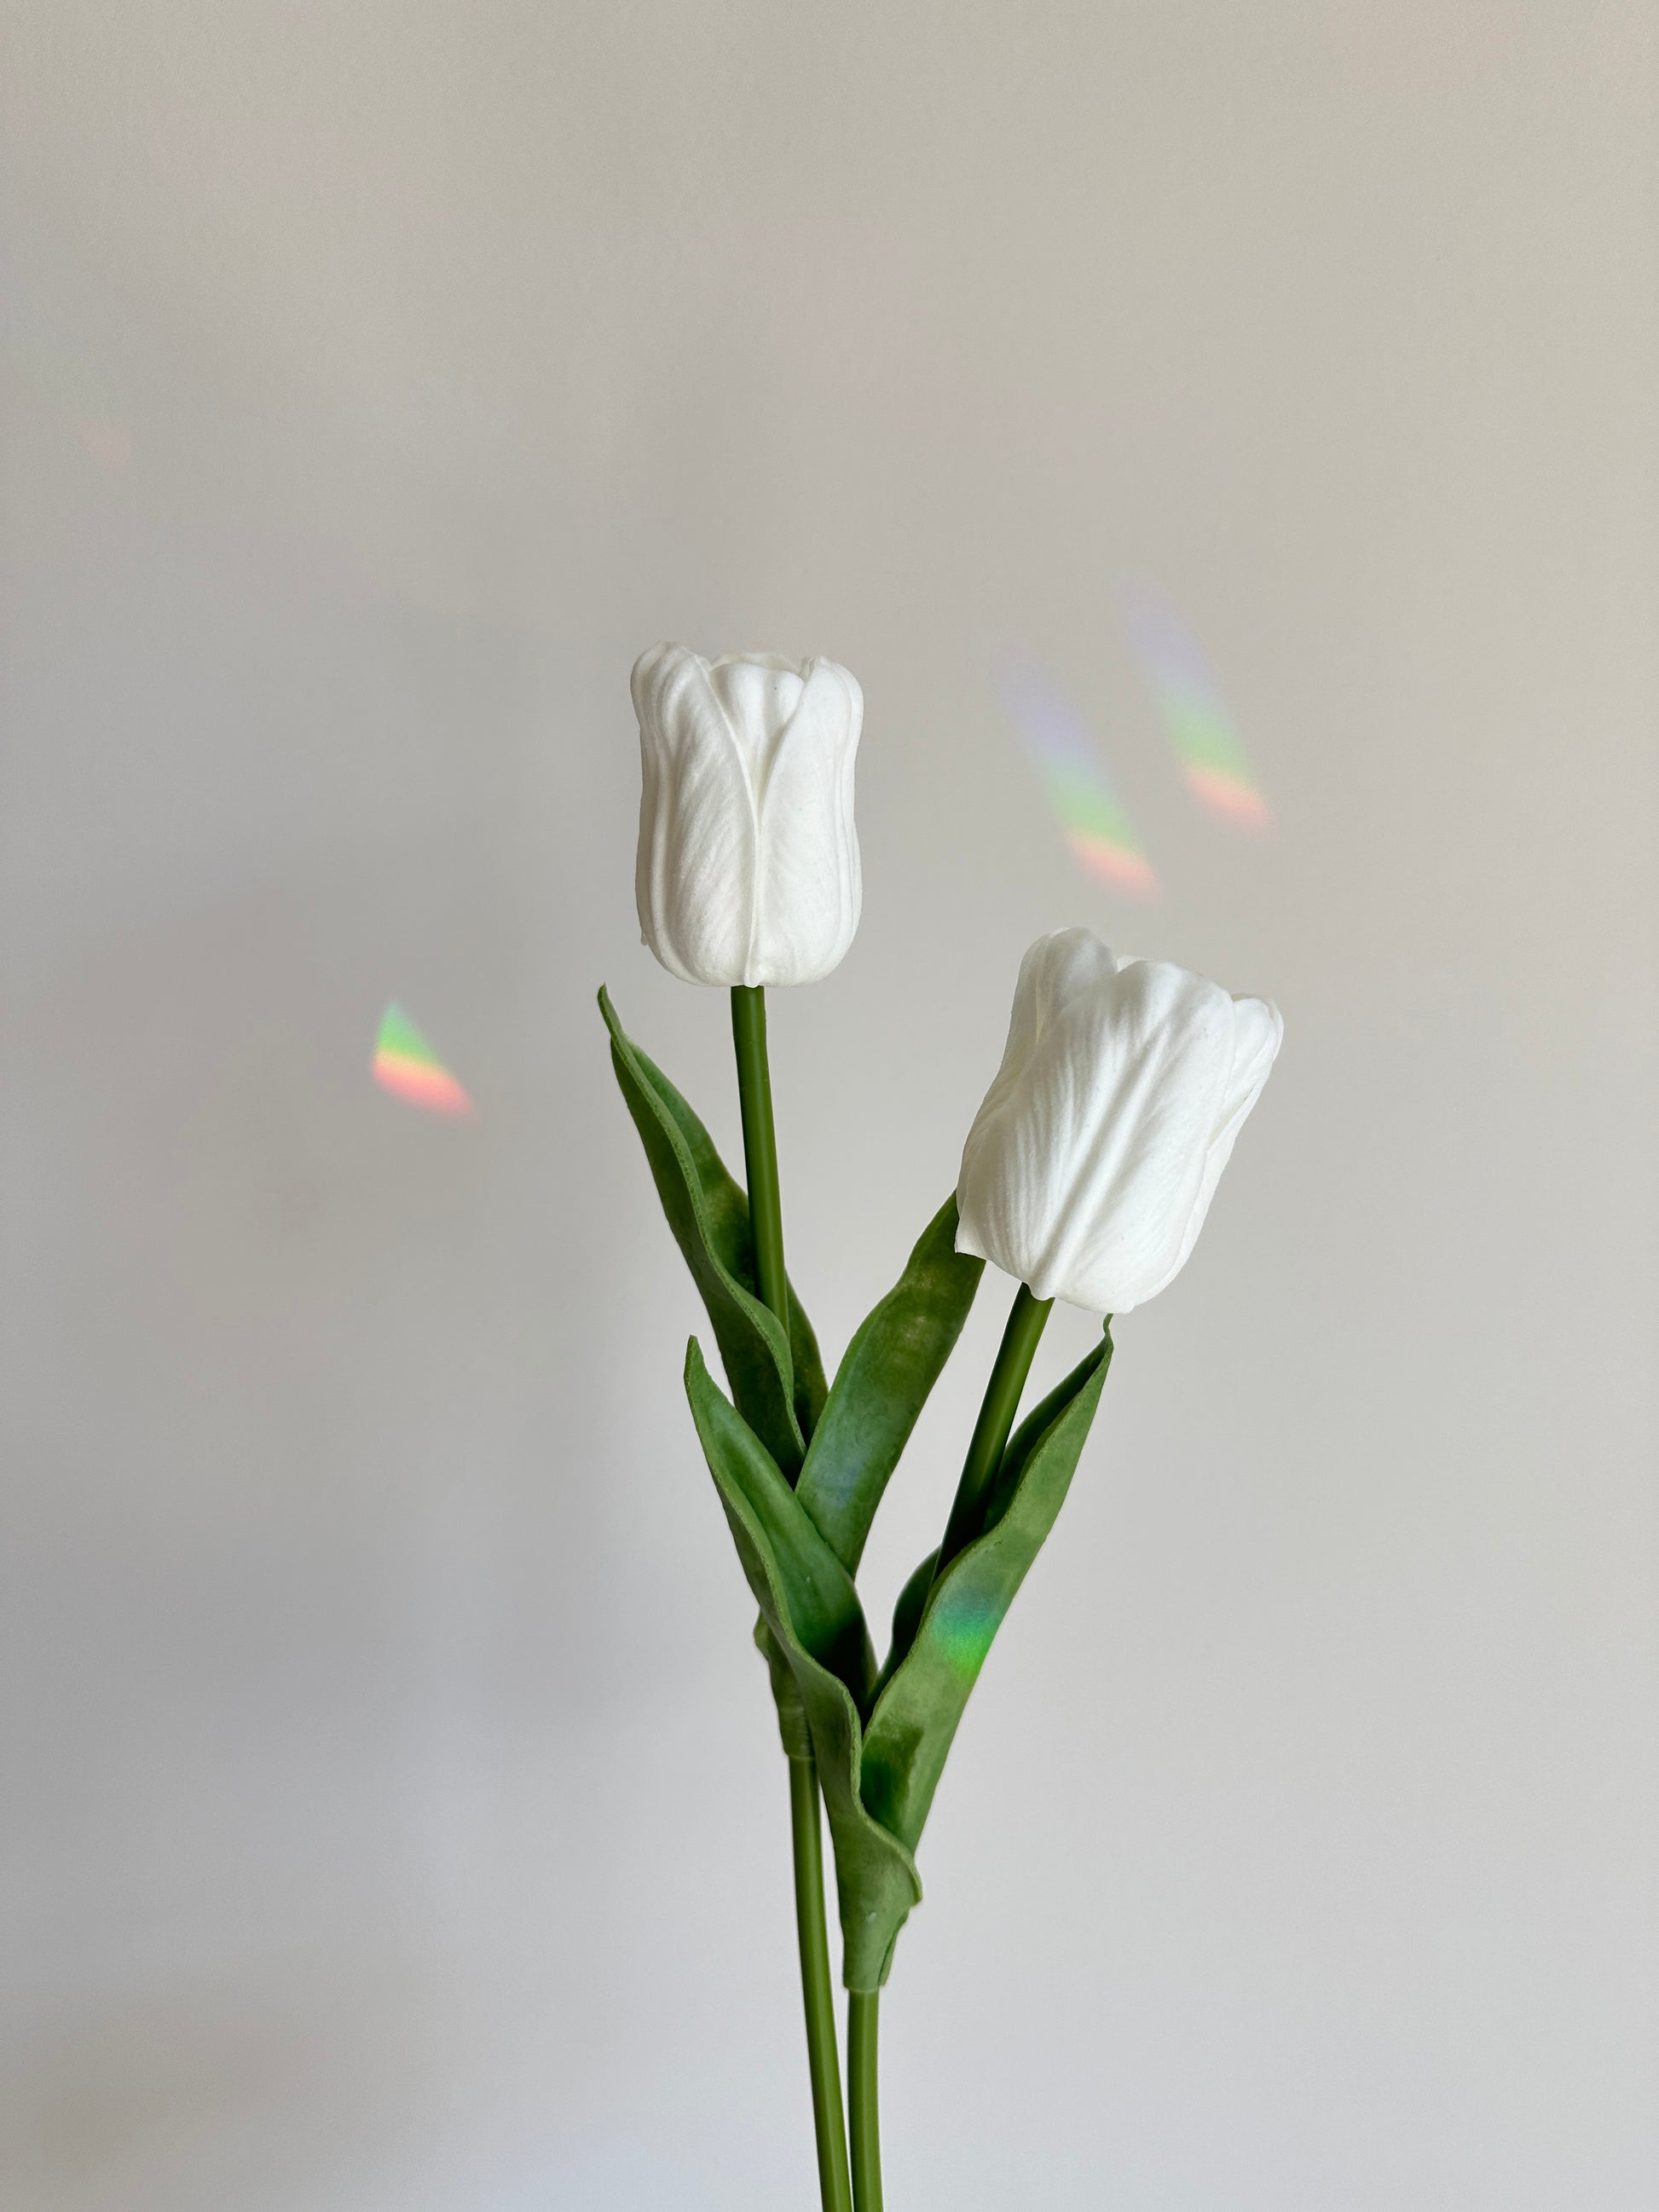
{"points": [[394, 1821]]}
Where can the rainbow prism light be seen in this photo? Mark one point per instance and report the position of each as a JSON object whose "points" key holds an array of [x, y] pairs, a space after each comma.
{"points": [[1090, 817], [406, 1065], [1213, 761]]}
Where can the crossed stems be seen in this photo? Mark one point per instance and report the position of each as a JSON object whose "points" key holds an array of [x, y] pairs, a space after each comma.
{"points": [[861, 2191]]}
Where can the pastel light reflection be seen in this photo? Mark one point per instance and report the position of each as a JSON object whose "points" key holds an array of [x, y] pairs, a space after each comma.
{"points": [[964, 1626], [1075, 782], [405, 1065], [1213, 763]]}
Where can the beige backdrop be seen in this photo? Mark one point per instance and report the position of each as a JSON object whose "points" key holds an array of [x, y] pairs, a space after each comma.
{"points": [[393, 1821]]}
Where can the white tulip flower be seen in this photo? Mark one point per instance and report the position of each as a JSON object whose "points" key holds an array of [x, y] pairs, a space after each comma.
{"points": [[749, 862], [1091, 1164]]}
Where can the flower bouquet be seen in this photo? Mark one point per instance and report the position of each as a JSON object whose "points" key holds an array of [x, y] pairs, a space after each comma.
{"points": [[1086, 1175]]}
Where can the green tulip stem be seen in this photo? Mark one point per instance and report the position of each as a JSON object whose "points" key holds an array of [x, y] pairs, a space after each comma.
{"points": [[760, 1146], [861, 2021], [996, 1420], [818, 1989], [760, 1153]]}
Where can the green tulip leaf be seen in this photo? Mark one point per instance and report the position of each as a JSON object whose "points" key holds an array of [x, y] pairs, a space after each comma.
{"points": [[878, 1782], [950, 1626], [778, 1383], [793, 1726], [907, 1618], [812, 1634], [825, 1612], [882, 1385]]}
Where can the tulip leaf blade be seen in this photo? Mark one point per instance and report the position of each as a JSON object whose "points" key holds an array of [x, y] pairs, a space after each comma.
{"points": [[811, 1623], [793, 1726], [823, 1607], [883, 1383], [925, 1691], [907, 1618], [778, 1383]]}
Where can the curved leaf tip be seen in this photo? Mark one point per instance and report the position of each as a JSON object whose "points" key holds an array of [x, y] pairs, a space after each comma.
{"points": [[775, 1377]]}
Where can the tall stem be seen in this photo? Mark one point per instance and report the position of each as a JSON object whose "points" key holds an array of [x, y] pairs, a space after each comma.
{"points": [[760, 1146], [818, 1989], [760, 1152], [996, 1418], [990, 1441], [861, 2073]]}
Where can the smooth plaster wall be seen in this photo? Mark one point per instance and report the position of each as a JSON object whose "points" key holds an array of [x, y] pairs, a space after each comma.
{"points": [[393, 1821]]}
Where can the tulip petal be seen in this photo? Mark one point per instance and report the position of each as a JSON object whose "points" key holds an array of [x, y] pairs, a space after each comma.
{"points": [[748, 868], [1259, 1032], [695, 882], [1141, 1076], [810, 890], [1087, 1169], [759, 693], [1067, 964]]}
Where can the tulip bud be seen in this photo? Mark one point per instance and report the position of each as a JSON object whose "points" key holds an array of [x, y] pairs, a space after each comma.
{"points": [[749, 862], [1091, 1164]]}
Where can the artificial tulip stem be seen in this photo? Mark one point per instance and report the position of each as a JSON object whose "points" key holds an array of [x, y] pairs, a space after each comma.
{"points": [[760, 1153], [760, 1146], [996, 1422], [861, 2022], [818, 1989]]}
